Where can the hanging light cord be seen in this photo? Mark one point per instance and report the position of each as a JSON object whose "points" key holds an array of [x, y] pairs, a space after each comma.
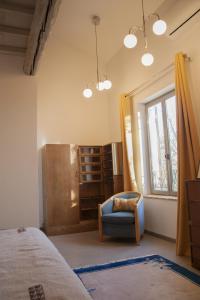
{"points": [[97, 57], [144, 25]]}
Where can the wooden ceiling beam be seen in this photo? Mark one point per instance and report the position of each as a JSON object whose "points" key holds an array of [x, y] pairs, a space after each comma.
{"points": [[17, 8], [12, 50], [14, 30], [43, 19]]}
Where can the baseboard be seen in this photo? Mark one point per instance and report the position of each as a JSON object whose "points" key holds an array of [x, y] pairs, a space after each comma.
{"points": [[160, 236]]}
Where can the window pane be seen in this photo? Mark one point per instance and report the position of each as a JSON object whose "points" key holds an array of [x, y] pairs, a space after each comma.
{"points": [[157, 148], [141, 148], [129, 143], [172, 134]]}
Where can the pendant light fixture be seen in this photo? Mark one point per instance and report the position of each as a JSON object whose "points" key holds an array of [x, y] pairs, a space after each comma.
{"points": [[101, 85], [147, 58], [107, 84], [87, 93], [159, 28], [130, 40]]}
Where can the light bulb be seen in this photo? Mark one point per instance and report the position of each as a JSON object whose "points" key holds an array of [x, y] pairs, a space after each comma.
{"points": [[130, 40], [87, 93], [107, 84], [147, 59], [100, 86], [159, 27]]}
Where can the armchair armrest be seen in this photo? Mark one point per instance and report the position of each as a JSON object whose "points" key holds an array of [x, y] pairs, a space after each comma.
{"points": [[139, 218], [140, 209], [107, 206], [104, 208]]}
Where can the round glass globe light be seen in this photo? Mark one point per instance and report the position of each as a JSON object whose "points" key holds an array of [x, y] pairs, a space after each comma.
{"points": [[87, 93], [130, 41], [107, 84], [147, 59], [100, 86], [159, 27]]}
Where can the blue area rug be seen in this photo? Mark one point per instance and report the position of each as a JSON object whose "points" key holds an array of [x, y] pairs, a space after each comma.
{"points": [[144, 259], [166, 276]]}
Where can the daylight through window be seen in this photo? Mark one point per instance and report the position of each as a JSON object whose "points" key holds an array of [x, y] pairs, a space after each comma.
{"points": [[162, 143]]}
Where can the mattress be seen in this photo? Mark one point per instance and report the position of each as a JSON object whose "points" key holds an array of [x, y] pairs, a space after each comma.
{"points": [[28, 259]]}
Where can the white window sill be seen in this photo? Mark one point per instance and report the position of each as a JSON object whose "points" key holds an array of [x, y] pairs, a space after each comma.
{"points": [[165, 197]]}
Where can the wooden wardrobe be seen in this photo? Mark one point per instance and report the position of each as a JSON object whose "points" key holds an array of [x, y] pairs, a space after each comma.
{"points": [[61, 188]]}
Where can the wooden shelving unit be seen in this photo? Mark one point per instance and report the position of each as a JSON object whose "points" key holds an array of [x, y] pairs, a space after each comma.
{"points": [[112, 169], [91, 181], [108, 171], [100, 175]]}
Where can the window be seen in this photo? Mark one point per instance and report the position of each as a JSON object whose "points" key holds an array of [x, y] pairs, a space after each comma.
{"points": [[162, 144], [129, 143]]}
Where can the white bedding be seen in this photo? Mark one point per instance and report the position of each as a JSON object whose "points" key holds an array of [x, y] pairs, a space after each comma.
{"points": [[29, 258]]}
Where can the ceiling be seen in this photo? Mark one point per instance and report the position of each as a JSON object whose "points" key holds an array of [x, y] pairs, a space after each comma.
{"points": [[24, 29], [23, 21], [73, 24], [15, 23]]}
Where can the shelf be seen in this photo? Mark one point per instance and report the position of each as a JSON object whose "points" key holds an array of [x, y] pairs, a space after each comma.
{"points": [[90, 163], [89, 154], [89, 209], [90, 150], [90, 172], [107, 152], [92, 197], [108, 180], [91, 181], [110, 159], [89, 214], [90, 159], [90, 222]]}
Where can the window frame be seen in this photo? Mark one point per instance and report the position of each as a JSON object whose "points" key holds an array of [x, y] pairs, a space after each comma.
{"points": [[161, 99]]}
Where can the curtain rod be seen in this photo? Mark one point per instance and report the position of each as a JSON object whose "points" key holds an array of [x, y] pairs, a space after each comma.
{"points": [[154, 78]]}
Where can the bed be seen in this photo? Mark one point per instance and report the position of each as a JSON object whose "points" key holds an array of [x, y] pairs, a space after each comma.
{"points": [[28, 259]]}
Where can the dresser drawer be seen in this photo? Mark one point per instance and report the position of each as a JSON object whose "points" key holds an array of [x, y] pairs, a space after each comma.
{"points": [[193, 204], [195, 235], [193, 190], [195, 252], [194, 213]]}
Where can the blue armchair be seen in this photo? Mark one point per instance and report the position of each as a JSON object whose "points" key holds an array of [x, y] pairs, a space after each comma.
{"points": [[123, 223]]}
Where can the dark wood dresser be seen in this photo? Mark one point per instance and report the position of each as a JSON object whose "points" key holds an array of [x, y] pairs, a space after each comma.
{"points": [[193, 199]]}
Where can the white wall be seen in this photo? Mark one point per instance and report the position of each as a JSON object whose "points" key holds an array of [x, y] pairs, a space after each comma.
{"points": [[160, 216], [127, 73], [64, 115], [18, 155]]}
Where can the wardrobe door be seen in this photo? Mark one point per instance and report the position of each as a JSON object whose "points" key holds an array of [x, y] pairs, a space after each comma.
{"points": [[61, 187]]}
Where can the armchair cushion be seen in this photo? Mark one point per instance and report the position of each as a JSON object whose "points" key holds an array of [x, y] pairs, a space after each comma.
{"points": [[119, 218], [121, 204], [127, 195]]}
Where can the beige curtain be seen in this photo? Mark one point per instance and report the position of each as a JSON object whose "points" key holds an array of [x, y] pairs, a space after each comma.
{"points": [[188, 150], [126, 122]]}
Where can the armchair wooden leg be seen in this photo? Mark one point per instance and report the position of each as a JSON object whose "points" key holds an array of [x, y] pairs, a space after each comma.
{"points": [[101, 238], [137, 228]]}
